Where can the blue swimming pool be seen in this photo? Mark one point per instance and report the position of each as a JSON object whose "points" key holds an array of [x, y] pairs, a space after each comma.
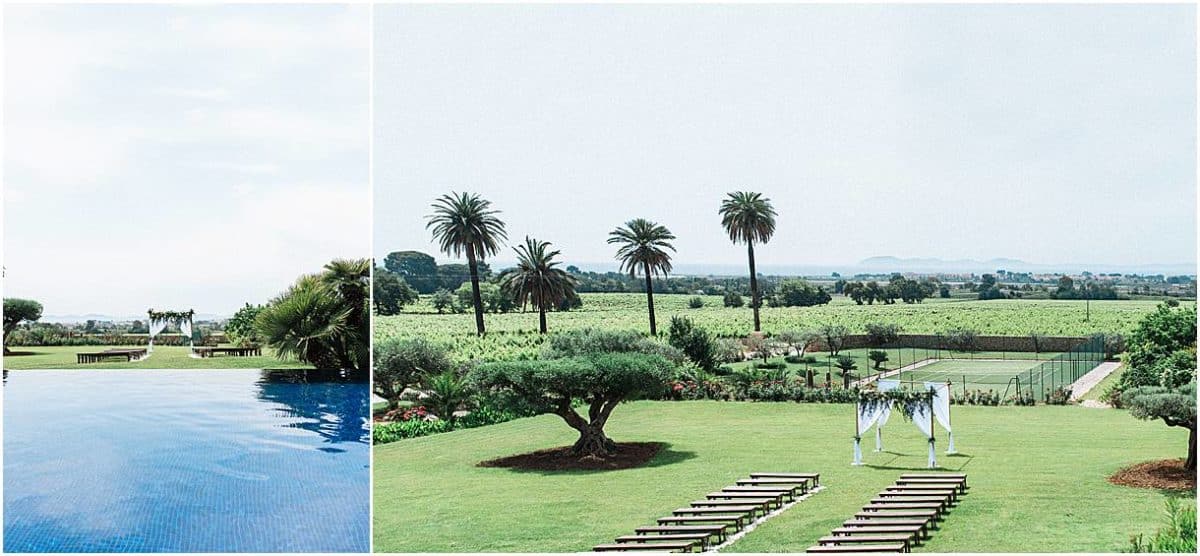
{"points": [[185, 461]]}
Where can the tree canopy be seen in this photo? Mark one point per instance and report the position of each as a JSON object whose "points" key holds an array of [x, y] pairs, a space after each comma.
{"points": [[16, 311], [1174, 406], [601, 381]]}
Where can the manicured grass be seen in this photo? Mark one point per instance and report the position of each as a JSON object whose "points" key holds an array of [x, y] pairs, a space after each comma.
{"points": [[164, 357], [1037, 477]]}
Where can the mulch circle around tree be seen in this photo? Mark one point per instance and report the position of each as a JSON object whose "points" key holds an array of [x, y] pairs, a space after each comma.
{"points": [[1168, 474], [627, 456]]}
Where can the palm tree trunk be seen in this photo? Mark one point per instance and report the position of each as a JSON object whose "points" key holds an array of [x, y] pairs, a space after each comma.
{"points": [[754, 301], [476, 298], [542, 320], [650, 299]]}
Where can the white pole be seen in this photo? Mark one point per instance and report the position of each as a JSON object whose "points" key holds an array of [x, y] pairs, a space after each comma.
{"points": [[857, 434]]}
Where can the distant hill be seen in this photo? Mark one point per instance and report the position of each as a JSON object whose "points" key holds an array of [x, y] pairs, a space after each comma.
{"points": [[897, 264]]}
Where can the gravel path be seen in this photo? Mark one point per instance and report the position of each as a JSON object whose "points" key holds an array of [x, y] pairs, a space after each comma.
{"points": [[1090, 380]]}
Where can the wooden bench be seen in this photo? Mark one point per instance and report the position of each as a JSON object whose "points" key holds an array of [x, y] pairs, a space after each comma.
{"points": [[895, 493], [716, 530], [776, 501], [859, 549], [906, 506], [793, 484], [898, 514], [944, 476], [718, 510], [762, 503], [95, 357], [960, 487], [701, 538], [923, 524], [867, 528], [250, 351], [869, 539], [768, 491], [738, 520], [814, 477], [939, 500], [674, 546]]}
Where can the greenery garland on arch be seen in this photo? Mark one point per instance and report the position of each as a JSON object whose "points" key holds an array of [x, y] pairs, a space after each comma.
{"points": [[170, 316], [909, 402]]}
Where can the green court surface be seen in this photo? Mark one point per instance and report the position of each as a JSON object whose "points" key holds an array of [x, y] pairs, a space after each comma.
{"points": [[980, 372]]}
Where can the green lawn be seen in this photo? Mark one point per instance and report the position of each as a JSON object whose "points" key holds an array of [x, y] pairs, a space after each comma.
{"points": [[164, 357], [1037, 476]]}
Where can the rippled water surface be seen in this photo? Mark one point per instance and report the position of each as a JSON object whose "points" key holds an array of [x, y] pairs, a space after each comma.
{"points": [[191, 461]]}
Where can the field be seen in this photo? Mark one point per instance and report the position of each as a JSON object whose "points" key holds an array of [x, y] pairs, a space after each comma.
{"points": [[513, 335], [1037, 477], [164, 357]]}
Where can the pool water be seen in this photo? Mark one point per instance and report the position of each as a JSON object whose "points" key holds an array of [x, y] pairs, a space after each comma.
{"points": [[185, 461]]}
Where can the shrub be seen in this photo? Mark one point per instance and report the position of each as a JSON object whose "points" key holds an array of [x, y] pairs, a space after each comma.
{"points": [[772, 366], [795, 359], [882, 334], [733, 300], [728, 350], [1178, 535], [696, 302], [693, 341], [879, 357], [382, 433], [592, 341], [403, 362], [447, 393], [976, 397], [1059, 396]]}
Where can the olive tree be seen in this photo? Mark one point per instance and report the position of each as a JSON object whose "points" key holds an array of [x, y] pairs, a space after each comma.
{"points": [[403, 362], [16, 311], [1175, 406], [599, 381]]}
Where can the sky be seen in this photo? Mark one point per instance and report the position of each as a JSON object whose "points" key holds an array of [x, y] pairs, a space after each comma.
{"points": [[1050, 134], [181, 157]]}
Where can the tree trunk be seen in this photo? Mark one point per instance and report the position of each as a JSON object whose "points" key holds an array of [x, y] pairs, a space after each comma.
{"points": [[476, 298], [810, 378], [1191, 458], [754, 300], [542, 321], [650, 299], [593, 442]]}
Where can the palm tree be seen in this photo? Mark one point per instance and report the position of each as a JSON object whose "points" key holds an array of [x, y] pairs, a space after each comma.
{"points": [[308, 322], [749, 218], [644, 246], [465, 223], [536, 281], [351, 279]]}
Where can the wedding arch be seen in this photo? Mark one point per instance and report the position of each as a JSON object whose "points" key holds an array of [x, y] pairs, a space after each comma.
{"points": [[874, 407], [180, 319]]}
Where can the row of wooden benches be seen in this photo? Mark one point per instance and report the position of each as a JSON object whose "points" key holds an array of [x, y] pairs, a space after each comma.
{"points": [[98, 356], [898, 517], [719, 515]]}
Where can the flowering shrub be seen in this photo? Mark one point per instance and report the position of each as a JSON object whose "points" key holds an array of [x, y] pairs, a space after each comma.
{"points": [[976, 397], [1020, 399], [1060, 396], [698, 390]]}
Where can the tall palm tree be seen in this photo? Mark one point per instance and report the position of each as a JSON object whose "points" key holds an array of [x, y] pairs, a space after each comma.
{"points": [[644, 246], [535, 280], [749, 218], [465, 223]]}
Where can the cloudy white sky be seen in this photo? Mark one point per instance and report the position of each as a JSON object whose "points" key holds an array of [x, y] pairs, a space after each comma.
{"points": [[181, 156], [1053, 134]]}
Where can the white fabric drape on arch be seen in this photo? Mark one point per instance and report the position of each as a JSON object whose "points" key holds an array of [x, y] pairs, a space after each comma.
{"points": [[941, 410], [923, 418], [883, 385], [156, 326], [866, 417]]}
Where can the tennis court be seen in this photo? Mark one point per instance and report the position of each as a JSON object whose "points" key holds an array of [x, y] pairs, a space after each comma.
{"points": [[978, 373]]}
